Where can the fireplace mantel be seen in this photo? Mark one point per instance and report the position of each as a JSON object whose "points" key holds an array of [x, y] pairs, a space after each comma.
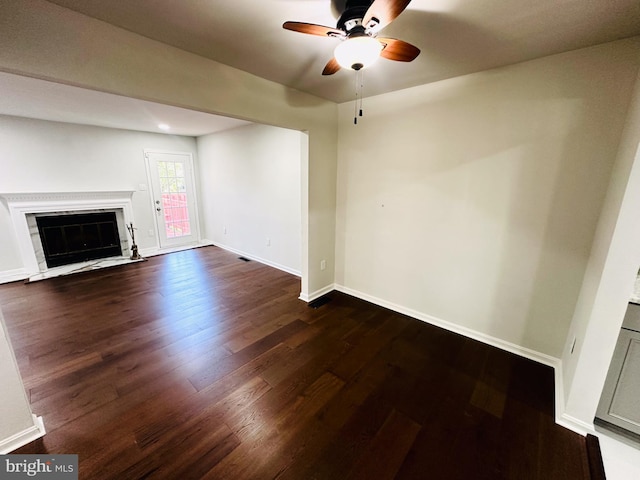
{"points": [[40, 197], [23, 204]]}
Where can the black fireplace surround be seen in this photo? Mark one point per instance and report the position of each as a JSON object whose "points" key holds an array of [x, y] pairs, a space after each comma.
{"points": [[76, 238]]}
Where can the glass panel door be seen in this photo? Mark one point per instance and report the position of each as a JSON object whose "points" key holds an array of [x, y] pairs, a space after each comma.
{"points": [[172, 186]]}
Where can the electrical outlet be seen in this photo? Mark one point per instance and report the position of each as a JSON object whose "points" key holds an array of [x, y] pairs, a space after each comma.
{"points": [[152, 233], [268, 242], [323, 264], [224, 230]]}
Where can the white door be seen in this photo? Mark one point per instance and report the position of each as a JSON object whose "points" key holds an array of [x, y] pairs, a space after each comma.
{"points": [[173, 194]]}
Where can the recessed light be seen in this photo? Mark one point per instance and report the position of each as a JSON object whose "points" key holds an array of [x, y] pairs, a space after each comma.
{"points": [[163, 126]]}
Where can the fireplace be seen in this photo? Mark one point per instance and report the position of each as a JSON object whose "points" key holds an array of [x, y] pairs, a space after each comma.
{"points": [[78, 237], [103, 216]]}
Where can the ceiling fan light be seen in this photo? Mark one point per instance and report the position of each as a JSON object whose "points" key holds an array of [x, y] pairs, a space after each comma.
{"points": [[358, 52]]}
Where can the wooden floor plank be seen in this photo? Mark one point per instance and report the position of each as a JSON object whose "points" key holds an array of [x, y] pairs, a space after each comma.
{"points": [[199, 365], [387, 450]]}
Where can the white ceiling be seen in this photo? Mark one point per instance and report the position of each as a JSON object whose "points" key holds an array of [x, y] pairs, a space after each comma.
{"points": [[456, 37], [34, 98]]}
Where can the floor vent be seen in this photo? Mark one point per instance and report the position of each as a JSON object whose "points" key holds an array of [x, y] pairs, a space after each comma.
{"points": [[318, 302], [244, 259]]}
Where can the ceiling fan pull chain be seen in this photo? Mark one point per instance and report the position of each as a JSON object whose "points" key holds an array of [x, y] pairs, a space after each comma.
{"points": [[361, 73], [355, 104]]}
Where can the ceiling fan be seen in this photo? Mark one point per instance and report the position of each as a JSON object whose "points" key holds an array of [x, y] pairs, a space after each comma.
{"points": [[358, 28]]}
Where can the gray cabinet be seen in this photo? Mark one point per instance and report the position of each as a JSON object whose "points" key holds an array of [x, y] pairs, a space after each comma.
{"points": [[620, 401]]}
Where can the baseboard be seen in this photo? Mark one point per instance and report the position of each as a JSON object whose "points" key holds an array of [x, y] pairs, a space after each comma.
{"points": [[574, 424], [562, 418], [317, 294], [9, 276], [452, 327], [24, 437], [250, 256]]}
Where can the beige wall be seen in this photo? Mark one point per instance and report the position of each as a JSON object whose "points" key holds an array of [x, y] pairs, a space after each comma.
{"points": [[250, 189], [43, 40], [474, 200]]}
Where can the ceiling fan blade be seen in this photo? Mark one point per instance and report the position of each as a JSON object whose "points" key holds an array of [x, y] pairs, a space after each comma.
{"points": [[313, 29], [383, 12], [398, 50], [331, 67]]}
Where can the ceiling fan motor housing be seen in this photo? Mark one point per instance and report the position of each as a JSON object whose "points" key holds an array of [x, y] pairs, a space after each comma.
{"points": [[352, 16]]}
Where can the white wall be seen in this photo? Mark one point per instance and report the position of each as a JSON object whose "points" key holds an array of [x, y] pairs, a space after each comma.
{"points": [[608, 281], [42, 156], [474, 200], [18, 425], [250, 187]]}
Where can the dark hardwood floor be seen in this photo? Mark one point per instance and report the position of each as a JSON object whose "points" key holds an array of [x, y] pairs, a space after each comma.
{"points": [[199, 365]]}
